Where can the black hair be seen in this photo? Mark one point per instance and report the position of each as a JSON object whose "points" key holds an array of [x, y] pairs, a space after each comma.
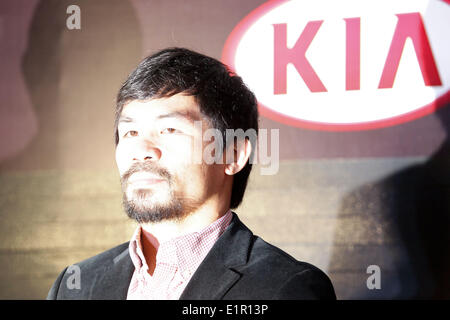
{"points": [[222, 96]]}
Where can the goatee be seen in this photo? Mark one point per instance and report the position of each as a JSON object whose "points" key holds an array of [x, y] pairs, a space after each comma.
{"points": [[142, 207]]}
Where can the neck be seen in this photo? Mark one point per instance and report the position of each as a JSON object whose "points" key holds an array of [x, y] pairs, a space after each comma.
{"points": [[155, 233]]}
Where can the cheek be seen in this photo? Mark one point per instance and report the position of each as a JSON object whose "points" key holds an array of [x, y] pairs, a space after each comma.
{"points": [[122, 158], [179, 153], [188, 179], [205, 178]]}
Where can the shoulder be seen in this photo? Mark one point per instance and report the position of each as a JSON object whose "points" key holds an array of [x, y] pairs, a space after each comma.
{"points": [[103, 259], [278, 275], [88, 270]]}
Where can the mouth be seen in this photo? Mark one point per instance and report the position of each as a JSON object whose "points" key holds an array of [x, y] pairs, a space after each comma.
{"points": [[144, 179]]}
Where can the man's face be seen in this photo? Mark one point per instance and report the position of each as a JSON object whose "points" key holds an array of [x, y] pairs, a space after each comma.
{"points": [[155, 158]]}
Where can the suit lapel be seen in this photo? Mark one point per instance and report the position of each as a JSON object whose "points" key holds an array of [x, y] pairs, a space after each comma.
{"points": [[218, 271], [113, 282]]}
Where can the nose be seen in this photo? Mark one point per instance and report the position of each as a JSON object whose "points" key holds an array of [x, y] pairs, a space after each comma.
{"points": [[147, 151]]}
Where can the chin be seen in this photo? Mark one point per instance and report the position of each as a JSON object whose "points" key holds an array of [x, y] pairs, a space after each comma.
{"points": [[144, 195], [145, 211]]}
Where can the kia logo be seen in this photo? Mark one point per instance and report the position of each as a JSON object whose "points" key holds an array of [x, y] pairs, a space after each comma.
{"points": [[344, 65]]}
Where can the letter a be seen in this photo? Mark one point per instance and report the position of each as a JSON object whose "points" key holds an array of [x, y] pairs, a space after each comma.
{"points": [[74, 281], [410, 25], [74, 20], [374, 281]]}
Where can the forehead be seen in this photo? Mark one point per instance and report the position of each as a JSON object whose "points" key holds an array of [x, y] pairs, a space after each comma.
{"points": [[178, 105]]}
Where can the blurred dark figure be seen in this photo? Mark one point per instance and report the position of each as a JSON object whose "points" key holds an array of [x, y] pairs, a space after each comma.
{"points": [[420, 207], [410, 212]]}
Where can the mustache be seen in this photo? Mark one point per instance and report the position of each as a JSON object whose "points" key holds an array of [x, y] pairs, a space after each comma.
{"points": [[149, 167]]}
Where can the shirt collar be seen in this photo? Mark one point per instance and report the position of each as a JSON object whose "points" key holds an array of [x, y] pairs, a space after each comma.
{"points": [[186, 252]]}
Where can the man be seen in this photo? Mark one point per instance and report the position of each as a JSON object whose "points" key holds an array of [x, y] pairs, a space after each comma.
{"points": [[189, 244]]}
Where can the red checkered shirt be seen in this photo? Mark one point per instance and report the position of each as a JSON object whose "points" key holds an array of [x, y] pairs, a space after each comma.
{"points": [[176, 261]]}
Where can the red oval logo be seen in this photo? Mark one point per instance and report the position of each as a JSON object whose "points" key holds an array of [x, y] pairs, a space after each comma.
{"points": [[344, 65]]}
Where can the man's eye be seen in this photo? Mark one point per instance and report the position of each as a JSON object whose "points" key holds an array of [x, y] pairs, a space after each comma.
{"points": [[170, 130], [131, 133]]}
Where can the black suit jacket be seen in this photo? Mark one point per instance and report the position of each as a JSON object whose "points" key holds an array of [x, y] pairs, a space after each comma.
{"points": [[240, 265]]}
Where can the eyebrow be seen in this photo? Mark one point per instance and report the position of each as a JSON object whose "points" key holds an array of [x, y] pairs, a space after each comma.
{"points": [[186, 115], [183, 115], [125, 119]]}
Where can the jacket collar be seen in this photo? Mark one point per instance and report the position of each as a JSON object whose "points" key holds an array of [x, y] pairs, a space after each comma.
{"points": [[219, 267]]}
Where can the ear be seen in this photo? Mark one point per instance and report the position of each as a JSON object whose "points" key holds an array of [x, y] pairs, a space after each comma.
{"points": [[237, 156]]}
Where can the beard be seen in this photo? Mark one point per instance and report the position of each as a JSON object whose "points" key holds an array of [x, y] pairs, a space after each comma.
{"points": [[143, 207]]}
